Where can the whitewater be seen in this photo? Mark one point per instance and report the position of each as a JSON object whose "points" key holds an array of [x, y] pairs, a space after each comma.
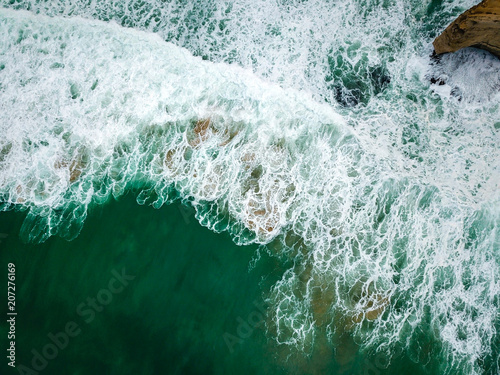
{"points": [[309, 128]]}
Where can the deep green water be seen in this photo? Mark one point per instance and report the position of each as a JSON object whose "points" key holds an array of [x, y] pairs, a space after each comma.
{"points": [[190, 287], [181, 313]]}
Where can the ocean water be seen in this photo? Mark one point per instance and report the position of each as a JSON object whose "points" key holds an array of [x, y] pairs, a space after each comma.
{"points": [[292, 187]]}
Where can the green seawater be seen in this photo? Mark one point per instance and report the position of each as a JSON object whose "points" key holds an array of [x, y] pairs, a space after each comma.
{"points": [[192, 302], [346, 187], [189, 288]]}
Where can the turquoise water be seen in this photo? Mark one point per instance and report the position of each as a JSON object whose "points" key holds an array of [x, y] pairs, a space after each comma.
{"points": [[287, 187], [186, 293], [181, 312]]}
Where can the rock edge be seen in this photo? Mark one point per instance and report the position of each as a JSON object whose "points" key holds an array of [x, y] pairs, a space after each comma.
{"points": [[478, 27]]}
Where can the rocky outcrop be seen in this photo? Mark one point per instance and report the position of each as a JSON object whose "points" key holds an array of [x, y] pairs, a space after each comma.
{"points": [[478, 27]]}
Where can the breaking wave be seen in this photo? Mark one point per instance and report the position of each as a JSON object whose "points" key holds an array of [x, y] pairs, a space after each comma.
{"points": [[380, 188]]}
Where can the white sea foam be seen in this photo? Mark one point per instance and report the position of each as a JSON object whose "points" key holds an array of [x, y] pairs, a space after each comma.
{"points": [[390, 210]]}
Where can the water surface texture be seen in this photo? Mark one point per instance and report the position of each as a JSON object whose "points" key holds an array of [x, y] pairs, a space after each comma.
{"points": [[296, 186]]}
